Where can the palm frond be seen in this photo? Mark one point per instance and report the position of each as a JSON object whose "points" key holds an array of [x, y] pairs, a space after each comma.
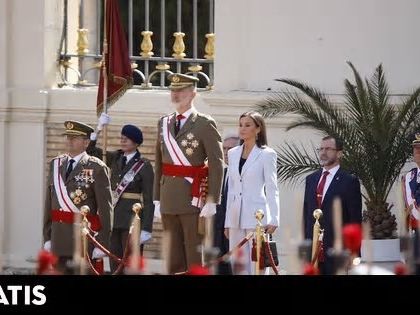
{"points": [[376, 133], [294, 161]]}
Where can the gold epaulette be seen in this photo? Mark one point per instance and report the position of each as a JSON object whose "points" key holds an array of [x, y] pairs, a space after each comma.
{"points": [[94, 159]]}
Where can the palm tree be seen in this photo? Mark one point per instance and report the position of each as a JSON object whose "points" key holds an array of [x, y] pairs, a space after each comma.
{"points": [[376, 135]]}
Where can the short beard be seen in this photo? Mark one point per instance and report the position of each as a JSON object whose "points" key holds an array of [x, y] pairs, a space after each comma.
{"points": [[327, 162], [177, 106]]}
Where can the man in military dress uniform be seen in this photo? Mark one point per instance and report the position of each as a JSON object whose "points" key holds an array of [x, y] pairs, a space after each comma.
{"points": [[131, 182], [411, 191], [188, 149], [411, 194], [76, 179]]}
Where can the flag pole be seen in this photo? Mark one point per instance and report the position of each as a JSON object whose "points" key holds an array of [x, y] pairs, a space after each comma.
{"points": [[105, 77]]}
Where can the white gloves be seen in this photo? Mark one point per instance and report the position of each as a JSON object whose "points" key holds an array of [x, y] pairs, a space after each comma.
{"points": [[208, 210], [47, 246], [93, 136], [145, 236], [104, 119], [157, 209], [97, 253]]}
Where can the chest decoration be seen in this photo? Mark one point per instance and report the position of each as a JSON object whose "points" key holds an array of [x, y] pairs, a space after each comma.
{"points": [[85, 178], [189, 143], [78, 196]]}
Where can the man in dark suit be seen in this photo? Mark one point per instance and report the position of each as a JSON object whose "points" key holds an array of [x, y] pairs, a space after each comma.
{"points": [[220, 240], [322, 188]]}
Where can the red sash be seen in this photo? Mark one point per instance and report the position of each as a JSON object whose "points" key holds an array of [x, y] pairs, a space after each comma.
{"points": [[198, 173], [68, 217]]}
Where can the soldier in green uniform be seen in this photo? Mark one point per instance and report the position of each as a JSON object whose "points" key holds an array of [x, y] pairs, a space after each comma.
{"points": [[76, 179], [188, 150], [131, 182]]}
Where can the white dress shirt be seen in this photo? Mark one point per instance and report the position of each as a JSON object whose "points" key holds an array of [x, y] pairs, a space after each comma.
{"points": [[130, 156], [329, 179], [76, 159], [186, 115]]}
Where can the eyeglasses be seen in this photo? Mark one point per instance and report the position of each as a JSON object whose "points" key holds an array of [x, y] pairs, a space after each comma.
{"points": [[327, 149]]}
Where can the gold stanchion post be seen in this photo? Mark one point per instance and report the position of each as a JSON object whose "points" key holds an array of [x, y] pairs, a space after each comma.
{"points": [[84, 210], [135, 237], [259, 235], [315, 236]]}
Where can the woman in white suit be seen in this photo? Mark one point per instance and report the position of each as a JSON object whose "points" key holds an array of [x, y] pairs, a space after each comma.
{"points": [[252, 185]]}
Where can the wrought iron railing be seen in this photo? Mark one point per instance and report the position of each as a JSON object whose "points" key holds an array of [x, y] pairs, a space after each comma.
{"points": [[161, 49]]}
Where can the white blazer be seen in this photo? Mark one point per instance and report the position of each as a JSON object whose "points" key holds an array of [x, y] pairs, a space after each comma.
{"points": [[252, 189]]}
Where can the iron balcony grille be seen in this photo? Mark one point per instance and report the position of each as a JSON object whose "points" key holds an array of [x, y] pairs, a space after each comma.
{"points": [[164, 36]]}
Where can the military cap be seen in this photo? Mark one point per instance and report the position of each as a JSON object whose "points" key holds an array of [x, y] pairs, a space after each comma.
{"points": [[133, 133], [416, 140], [76, 128], [180, 81]]}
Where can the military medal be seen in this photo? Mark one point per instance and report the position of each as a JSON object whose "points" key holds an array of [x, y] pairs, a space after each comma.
{"points": [[189, 144], [77, 200], [85, 177]]}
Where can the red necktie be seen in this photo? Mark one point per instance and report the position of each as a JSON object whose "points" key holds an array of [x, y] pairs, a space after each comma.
{"points": [[178, 123], [320, 188]]}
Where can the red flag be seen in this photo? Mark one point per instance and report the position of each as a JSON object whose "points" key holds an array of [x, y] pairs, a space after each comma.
{"points": [[117, 61]]}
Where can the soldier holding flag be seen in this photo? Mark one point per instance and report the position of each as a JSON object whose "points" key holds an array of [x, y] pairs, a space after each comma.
{"points": [[131, 181]]}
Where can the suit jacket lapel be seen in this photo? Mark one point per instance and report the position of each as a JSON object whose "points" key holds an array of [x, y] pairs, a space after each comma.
{"points": [[188, 124], [236, 155], [255, 153]]}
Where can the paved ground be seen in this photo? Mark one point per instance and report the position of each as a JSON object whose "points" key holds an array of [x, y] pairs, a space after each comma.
{"points": [[288, 266]]}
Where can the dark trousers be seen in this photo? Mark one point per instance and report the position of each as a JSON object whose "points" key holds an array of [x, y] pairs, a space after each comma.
{"points": [[63, 265], [118, 244], [222, 243]]}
